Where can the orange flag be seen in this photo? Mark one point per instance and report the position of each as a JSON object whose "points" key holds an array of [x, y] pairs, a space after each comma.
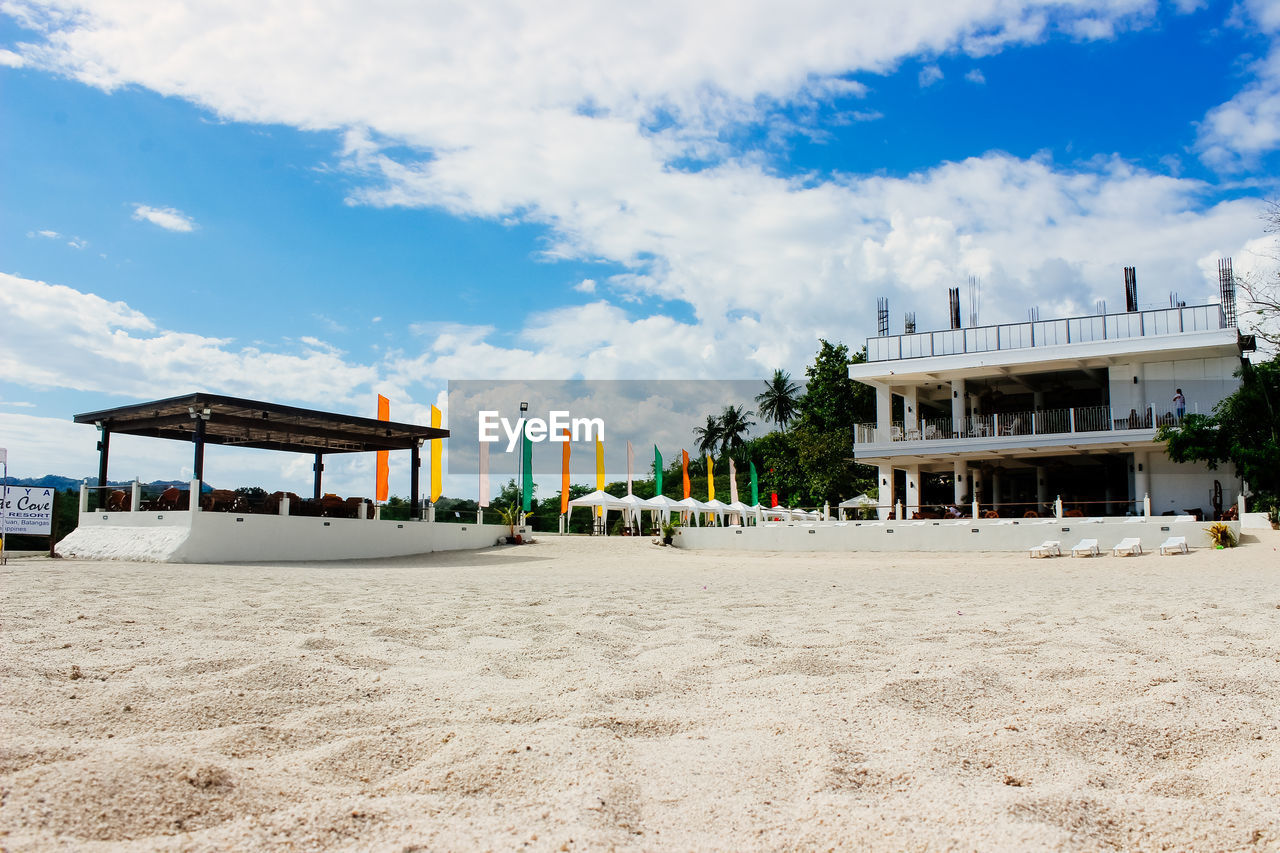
{"points": [[564, 475], [684, 470], [381, 489]]}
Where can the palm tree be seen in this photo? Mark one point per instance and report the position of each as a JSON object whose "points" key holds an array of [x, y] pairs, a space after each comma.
{"points": [[780, 400], [734, 423], [707, 436]]}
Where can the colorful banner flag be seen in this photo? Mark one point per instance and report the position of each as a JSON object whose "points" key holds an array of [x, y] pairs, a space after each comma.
{"points": [[711, 479], [684, 468], [484, 474], [657, 472], [564, 474], [755, 485], [437, 454], [631, 461], [526, 484], [733, 483], [599, 473], [380, 488]]}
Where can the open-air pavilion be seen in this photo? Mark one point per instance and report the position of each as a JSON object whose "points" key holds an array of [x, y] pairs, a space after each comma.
{"points": [[280, 532], [202, 419]]}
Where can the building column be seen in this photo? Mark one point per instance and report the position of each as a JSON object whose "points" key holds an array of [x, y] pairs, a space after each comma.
{"points": [[913, 490], [977, 481], [104, 452], [958, 471], [910, 410], [318, 467], [996, 483], [885, 495], [884, 412], [1042, 488], [1141, 479]]}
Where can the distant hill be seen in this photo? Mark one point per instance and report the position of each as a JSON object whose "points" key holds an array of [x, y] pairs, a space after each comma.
{"points": [[62, 484]]}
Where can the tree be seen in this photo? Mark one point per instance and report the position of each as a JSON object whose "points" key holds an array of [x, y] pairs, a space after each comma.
{"points": [[707, 436], [832, 401], [734, 424], [1244, 430], [1263, 290], [779, 402]]}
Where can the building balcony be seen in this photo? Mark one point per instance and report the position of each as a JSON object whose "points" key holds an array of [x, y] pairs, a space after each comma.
{"points": [[1048, 333], [1043, 427]]}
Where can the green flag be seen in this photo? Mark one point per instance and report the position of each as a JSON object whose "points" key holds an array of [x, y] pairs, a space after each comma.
{"points": [[526, 487], [755, 486], [657, 471]]}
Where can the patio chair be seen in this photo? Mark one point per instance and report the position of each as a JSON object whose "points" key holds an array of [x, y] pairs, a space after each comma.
{"points": [[1048, 548], [1128, 547], [1174, 545], [1086, 548]]}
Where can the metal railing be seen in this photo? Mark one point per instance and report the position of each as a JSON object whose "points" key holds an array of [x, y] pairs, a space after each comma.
{"points": [[1073, 330], [1041, 422]]}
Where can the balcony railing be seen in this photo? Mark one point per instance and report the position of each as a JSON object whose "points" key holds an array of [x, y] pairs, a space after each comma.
{"points": [[1042, 422], [1046, 333]]}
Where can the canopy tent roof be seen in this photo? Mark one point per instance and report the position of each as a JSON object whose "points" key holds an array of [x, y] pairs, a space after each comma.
{"points": [[234, 422], [662, 502], [859, 501]]}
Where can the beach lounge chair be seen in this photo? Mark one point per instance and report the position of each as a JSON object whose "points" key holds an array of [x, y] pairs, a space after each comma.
{"points": [[1174, 545], [1086, 548], [1049, 548], [1127, 547]]}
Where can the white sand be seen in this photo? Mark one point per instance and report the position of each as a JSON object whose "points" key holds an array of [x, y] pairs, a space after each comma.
{"points": [[589, 694]]}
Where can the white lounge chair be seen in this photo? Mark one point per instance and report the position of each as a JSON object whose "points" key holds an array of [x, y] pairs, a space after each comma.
{"points": [[1086, 548], [1051, 548], [1174, 545], [1127, 547]]}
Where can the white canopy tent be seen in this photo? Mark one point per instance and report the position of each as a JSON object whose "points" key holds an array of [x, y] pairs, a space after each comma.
{"points": [[859, 502], [743, 511], [596, 499], [663, 505], [691, 506], [717, 508]]}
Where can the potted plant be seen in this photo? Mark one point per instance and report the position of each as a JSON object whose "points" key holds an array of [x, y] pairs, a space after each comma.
{"points": [[511, 517], [669, 531]]}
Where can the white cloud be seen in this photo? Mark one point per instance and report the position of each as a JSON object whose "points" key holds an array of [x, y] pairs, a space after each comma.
{"points": [[9, 59], [975, 75], [587, 285], [45, 233], [929, 75], [1234, 134], [167, 218]]}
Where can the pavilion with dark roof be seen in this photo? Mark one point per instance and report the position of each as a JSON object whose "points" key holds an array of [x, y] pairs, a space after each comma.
{"points": [[201, 419]]}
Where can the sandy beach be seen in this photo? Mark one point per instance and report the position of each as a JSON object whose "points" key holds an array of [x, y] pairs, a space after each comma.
{"points": [[585, 694]]}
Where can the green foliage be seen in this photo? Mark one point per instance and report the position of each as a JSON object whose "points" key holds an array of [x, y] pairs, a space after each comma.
{"points": [[780, 400], [832, 401], [1221, 536], [707, 436], [1243, 430]]}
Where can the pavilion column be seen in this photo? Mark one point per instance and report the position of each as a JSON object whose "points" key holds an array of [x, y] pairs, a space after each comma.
{"points": [[913, 490], [197, 465], [885, 499], [318, 467], [415, 461], [959, 470], [104, 451]]}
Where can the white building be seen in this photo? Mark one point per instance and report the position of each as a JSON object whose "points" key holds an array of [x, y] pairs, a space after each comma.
{"points": [[1017, 415]]}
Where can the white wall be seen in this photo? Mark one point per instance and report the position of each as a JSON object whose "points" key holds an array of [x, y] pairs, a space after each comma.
{"points": [[1188, 485], [991, 535], [1204, 382]]}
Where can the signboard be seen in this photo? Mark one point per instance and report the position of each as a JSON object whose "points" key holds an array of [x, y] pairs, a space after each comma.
{"points": [[27, 511]]}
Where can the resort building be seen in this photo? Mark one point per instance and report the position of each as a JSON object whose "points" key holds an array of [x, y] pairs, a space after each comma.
{"points": [[1014, 416]]}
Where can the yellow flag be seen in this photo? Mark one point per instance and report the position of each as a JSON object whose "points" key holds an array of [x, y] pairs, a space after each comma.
{"points": [[711, 479], [599, 472], [437, 452]]}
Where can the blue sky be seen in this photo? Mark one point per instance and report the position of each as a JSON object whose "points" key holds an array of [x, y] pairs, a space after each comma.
{"points": [[318, 209]]}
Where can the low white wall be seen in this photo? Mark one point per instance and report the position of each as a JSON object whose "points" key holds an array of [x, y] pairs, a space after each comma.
{"points": [[217, 537], [990, 535]]}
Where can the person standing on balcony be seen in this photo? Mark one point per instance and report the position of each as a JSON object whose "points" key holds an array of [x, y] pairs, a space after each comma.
{"points": [[1179, 404]]}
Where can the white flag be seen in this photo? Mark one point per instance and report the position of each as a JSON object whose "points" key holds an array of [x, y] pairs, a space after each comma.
{"points": [[484, 473], [733, 483], [631, 461]]}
